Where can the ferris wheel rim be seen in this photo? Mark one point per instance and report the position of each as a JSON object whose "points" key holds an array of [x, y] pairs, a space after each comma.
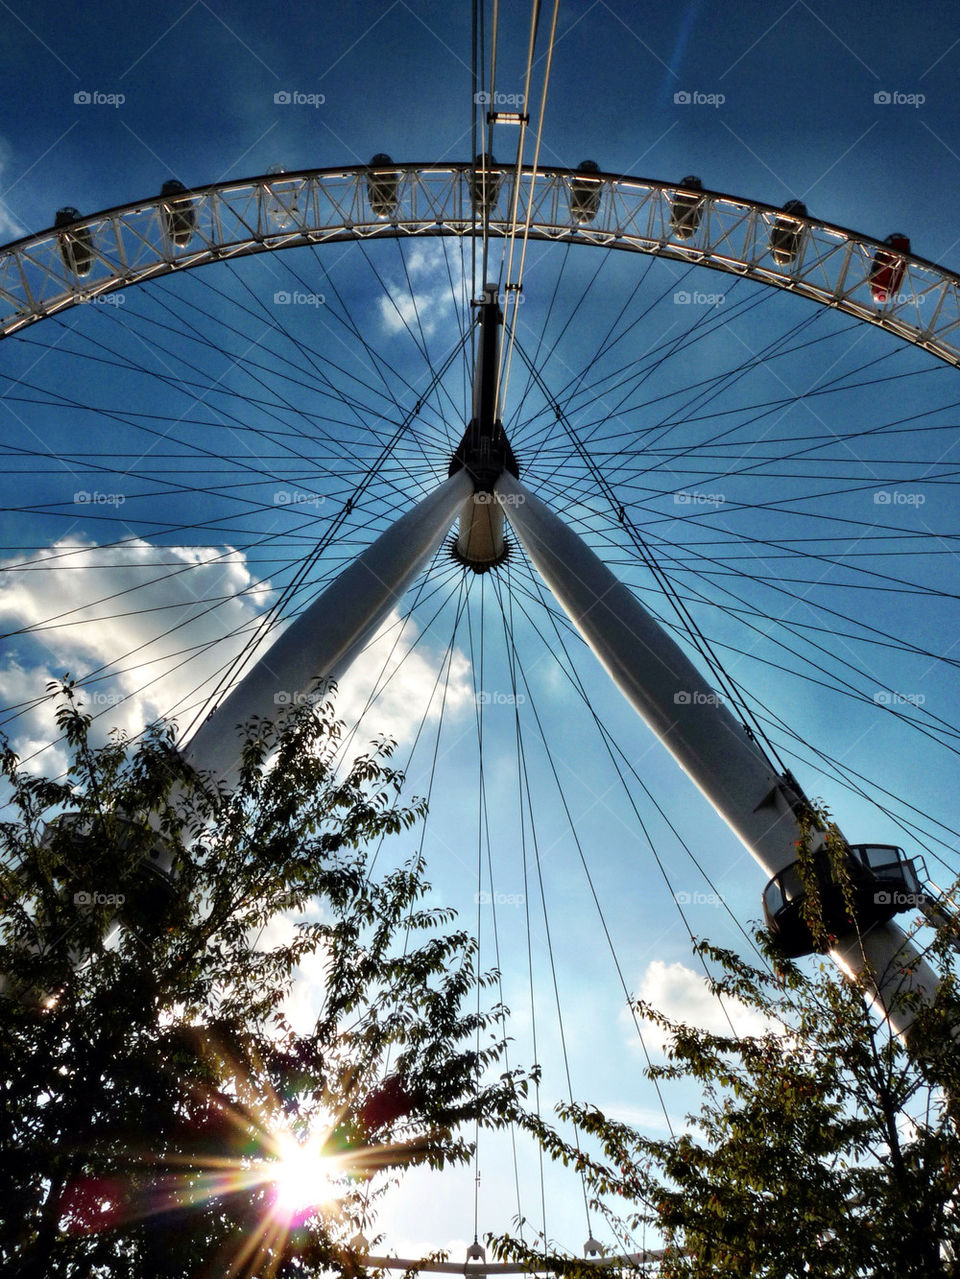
{"points": [[831, 265]]}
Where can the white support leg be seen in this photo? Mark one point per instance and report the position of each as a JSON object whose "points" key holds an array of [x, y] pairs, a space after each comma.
{"points": [[325, 639], [704, 737]]}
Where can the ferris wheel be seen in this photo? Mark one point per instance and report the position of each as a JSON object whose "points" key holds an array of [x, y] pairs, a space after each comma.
{"points": [[406, 420]]}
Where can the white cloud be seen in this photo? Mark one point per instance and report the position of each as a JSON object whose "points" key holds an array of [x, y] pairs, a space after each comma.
{"points": [[392, 685], [10, 227], [143, 613], [643, 1118], [303, 1003], [684, 996], [427, 295]]}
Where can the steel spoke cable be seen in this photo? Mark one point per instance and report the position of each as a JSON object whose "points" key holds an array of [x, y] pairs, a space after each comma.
{"points": [[177, 383], [307, 567], [637, 369], [445, 588], [571, 829], [450, 359], [800, 397], [512, 308], [550, 952], [284, 403], [843, 773], [614, 749], [230, 423], [435, 384], [184, 702], [249, 363], [314, 357], [545, 325], [642, 372], [377, 360], [525, 816], [443, 672], [481, 812], [843, 686], [484, 853], [830, 438], [740, 538], [638, 366], [812, 679], [771, 407], [699, 640]]}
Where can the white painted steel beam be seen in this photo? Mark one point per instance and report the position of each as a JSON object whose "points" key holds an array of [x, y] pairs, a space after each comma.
{"points": [[706, 739], [325, 639]]}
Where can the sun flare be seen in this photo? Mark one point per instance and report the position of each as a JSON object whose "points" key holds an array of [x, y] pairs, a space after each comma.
{"points": [[304, 1178]]}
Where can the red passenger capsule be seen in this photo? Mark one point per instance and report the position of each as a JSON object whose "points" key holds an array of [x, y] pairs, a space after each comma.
{"points": [[887, 268]]}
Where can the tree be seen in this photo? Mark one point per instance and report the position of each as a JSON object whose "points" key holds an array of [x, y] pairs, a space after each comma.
{"points": [[824, 1146], [151, 1078]]}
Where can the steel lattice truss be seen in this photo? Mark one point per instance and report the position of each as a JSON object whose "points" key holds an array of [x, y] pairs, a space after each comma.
{"points": [[137, 242]]}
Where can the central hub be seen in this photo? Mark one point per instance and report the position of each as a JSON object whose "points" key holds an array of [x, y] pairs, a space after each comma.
{"points": [[484, 452]]}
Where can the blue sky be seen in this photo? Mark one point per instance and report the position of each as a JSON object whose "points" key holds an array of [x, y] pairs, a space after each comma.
{"points": [[798, 119]]}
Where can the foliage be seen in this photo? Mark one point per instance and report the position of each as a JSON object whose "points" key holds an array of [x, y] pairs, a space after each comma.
{"points": [[823, 1146], [822, 849], [150, 1068]]}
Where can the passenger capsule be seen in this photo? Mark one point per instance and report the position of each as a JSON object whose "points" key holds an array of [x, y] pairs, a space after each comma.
{"points": [[786, 232], [76, 247], [282, 204], [887, 268], [382, 186], [485, 186], [877, 882], [585, 193], [179, 215], [686, 208]]}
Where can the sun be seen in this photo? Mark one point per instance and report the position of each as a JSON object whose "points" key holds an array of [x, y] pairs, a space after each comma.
{"points": [[304, 1178]]}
